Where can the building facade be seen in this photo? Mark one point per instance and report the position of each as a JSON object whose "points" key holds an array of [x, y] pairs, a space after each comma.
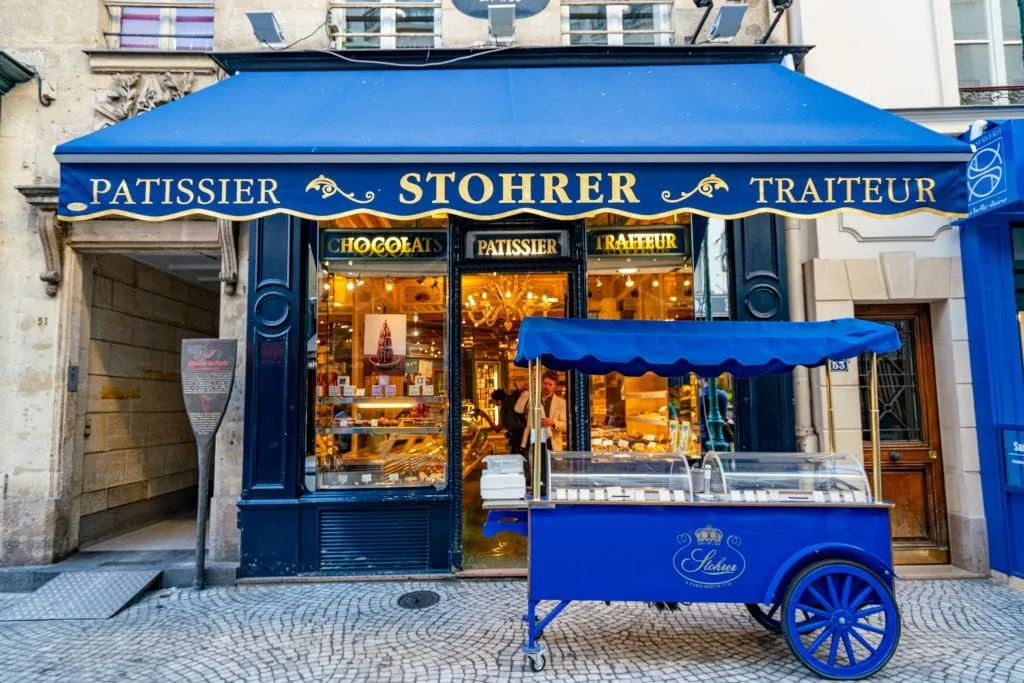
{"points": [[100, 439]]}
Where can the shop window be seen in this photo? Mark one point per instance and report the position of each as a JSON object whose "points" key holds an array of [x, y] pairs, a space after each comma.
{"points": [[172, 25], [989, 61], [377, 357], [646, 274], [1017, 237], [385, 24], [619, 23]]}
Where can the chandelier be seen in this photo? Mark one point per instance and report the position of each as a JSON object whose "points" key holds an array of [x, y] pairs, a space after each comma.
{"points": [[506, 299]]}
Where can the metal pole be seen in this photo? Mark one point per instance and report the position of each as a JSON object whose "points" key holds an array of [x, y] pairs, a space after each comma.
{"points": [[831, 408], [876, 446], [538, 410], [202, 515], [716, 440]]}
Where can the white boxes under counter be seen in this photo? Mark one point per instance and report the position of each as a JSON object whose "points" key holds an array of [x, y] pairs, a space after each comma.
{"points": [[503, 479]]}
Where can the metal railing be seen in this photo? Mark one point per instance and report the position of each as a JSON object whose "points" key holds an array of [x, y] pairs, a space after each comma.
{"points": [[992, 94], [170, 25]]}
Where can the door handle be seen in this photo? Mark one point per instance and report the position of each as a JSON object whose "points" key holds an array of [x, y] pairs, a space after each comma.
{"points": [[895, 456], [933, 455]]}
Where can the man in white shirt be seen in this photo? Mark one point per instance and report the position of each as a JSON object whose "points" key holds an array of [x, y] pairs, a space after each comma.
{"points": [[554, 420]]}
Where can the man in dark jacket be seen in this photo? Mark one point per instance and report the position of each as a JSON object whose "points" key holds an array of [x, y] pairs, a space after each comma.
{"points": [[508, 419]]}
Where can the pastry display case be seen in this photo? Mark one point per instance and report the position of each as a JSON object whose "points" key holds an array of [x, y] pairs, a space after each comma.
{"points": [[784, 477], [618, 477]]}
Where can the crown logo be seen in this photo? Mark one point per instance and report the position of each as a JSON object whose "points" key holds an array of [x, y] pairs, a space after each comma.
{"points": [[709, 535]]}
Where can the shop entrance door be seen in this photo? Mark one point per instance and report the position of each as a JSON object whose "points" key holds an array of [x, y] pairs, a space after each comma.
{"points": [[912, 475], [493, 304]]}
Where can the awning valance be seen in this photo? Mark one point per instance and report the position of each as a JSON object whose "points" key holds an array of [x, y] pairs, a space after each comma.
{"points": [[723, 140], [673, 349]]}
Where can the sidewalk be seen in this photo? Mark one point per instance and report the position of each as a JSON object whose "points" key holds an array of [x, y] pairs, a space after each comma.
{"points": [[952, 631]]}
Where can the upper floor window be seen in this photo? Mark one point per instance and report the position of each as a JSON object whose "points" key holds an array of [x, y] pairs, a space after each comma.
{"points": [[989, 62], [589, 22], [178, 25], [385, 24]]}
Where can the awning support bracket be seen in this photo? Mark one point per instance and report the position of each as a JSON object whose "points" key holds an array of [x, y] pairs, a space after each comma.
{"points": [[228, 232], [52, 233]]}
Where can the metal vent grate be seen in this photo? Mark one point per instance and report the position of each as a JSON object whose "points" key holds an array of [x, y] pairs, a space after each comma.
{"points": [[375, 540]]}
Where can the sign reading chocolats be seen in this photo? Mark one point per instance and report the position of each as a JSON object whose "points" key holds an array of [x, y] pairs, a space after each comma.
{"points": [[383, 244], [207, 375]]}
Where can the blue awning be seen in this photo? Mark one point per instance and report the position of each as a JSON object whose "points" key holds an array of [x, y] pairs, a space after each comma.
{"points": [[673, 349], [722, 140]]}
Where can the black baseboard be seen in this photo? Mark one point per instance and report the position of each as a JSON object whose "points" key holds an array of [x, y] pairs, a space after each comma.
{"points": [[112, 522]]}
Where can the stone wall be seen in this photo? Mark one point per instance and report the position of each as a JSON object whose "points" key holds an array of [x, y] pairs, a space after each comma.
{"points": [[139, 461]]}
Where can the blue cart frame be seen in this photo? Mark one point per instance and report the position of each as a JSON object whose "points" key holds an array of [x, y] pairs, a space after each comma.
{"points": [[820, 574]]}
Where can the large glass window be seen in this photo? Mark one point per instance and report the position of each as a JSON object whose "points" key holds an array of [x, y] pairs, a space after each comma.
{"points": [[647, 273], [990, 66], [616, 23], [377, 358], [385, 24], [176, 25]]}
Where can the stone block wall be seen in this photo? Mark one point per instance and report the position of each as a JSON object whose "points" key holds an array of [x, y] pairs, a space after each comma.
{"points": [[139, 459]]}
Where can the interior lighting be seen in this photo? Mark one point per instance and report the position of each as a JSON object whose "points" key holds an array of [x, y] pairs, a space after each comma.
{"points": [[655, 283], [627, 271], [629, 281], [327, 286], [350, 285], [359, 282], [388, 284], [391, 404], [599, 283], [435, 285]]}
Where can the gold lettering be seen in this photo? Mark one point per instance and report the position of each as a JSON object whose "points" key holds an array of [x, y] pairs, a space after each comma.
{"points": [[830, 186], [524, 188], [849, 183], [268, 186], [185, 193], [122, 192], [590, 183], [333, 245], [872, 190], [892, 190], [552, 246], [810, 190], [486, 185], [98, 183], [761, 182], [622, 188], [243, 190], [441, 181], [224, 190], [925, 186], [205, 187], [410, 183], [147, 188], [167, 189], [555, 184], [785, 189]]}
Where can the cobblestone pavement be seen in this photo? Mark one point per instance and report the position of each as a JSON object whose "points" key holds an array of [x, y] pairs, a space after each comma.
{"points": [[952, 631]]}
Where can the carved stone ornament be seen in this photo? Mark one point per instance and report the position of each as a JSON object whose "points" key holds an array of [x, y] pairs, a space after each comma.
{"points": [[228, 232], [132, 94], [52, 233]]}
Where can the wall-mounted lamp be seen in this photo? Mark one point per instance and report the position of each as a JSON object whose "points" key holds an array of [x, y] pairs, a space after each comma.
{"points": [[707, 6], [727, 23], [501, 23], [780, 7], [266, 29]]}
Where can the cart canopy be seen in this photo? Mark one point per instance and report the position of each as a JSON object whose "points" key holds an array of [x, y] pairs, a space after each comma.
{"points": [[708, 349]]}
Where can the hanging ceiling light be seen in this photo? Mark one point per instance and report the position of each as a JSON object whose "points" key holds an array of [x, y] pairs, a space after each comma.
{"points": [[387, 283], [435, 285], [629, 281], [599, 283], [655, 283], [514, 299], [350, 285]]}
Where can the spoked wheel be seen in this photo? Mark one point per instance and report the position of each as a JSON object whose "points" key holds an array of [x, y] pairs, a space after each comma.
{"points": [[840, 620], [766, 615]]}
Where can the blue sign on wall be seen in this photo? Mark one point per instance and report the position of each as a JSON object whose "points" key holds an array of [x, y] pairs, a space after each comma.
{"points": [[478, 8], [991, 182], [1013, 456]]}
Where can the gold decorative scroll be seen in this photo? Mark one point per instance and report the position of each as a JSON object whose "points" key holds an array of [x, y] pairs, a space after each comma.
{"points": [[706, 187], [329, 188]]}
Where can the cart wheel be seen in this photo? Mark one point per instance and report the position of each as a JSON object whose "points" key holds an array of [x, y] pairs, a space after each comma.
{"points": [[766, 615], [537, 661], [840, 620]]}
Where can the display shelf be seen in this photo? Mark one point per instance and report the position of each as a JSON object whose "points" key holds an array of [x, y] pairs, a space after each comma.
{"points": [[661, 422], [645, 394], [386, 430], [412, 400]]}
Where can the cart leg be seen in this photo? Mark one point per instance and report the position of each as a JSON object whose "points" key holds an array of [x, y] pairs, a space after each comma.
{"points": [[534, 652]]}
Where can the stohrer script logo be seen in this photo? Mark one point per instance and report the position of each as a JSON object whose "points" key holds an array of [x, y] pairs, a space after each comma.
{"points": [[709, 559]]}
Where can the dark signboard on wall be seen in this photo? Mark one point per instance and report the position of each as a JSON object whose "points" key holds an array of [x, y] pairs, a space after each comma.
{"points": [[639, 242], [520, 244], [1013, 456], [383, 244], [478, 8]]}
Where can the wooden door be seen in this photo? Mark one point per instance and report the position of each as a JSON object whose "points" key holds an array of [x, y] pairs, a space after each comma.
{"points": [[909, 429]]}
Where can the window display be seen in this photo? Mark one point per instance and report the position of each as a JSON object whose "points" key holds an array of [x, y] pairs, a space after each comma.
{"points": [[379, 368]]}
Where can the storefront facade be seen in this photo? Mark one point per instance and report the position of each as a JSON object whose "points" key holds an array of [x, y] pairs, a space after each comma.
{"points": [[992, 241], [373, 247]]}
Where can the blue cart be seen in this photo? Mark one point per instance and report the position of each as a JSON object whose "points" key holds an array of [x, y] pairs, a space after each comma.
{"points": [[817, 570]]}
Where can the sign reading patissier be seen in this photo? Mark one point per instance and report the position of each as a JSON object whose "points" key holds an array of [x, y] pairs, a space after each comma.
{"points": [[383, 244], [639, 242], [520, 244]]}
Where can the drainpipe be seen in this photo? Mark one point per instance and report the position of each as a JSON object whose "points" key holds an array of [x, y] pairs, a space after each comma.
{"points": [[806, 437]]}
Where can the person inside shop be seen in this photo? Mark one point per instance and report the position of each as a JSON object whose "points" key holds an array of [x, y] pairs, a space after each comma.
{"points": [[553, 423], [509, 421], [704, 409]]}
